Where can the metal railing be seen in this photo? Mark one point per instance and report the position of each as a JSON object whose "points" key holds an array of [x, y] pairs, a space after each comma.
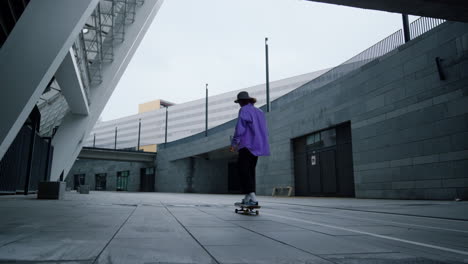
{"points": [[94, 45], [422, 25], [395, 40]]}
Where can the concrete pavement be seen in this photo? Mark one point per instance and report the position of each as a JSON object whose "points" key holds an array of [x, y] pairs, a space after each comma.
{"points": [[111, 227]]}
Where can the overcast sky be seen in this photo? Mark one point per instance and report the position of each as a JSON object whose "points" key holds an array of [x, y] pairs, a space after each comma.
{"points": [[221, 42]]}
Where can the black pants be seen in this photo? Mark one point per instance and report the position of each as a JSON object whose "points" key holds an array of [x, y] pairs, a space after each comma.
{"points": [[246, 164]]}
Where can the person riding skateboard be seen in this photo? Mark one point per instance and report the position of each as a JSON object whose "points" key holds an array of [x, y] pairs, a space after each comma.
{"points": [[251, 141]]}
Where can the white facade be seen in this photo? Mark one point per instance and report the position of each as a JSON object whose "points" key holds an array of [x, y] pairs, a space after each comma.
{"points": [[185, 119]]}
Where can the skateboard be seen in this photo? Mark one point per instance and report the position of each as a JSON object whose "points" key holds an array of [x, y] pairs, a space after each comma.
{"points": [[247, 209]]}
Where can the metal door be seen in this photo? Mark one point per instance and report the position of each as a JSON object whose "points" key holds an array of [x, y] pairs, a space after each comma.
{"points": [[321, 172], [147, 179], [328, 172], [313, 173]]}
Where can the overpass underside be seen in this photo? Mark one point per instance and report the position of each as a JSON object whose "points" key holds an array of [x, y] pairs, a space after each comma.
{"points": [[452, 10]]}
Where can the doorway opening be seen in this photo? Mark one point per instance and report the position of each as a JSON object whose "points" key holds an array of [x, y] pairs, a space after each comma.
{"points": [[79, 179], [101, 181], [147, 179], [323, 163]]}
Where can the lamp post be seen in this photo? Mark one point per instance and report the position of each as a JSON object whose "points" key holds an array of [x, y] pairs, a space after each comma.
{"points": [[115, 140], [206, 112], [94, 141], [139, 132], [267, 77], [165, 128]]}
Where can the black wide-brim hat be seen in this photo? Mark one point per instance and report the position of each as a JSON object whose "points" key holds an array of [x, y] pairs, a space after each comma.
{"points": [[244, 96]]}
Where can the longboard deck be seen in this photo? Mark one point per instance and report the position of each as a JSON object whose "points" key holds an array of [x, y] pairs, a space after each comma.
{"points": [[247, 209], [247, 206]]}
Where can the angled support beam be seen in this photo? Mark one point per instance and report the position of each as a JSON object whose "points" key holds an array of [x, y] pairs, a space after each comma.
{"points": [[32, 54], [68, 77], [75, 128]]}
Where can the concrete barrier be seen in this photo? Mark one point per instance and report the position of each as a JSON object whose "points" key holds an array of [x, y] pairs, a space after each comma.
{"points": [[51, 190], [84, 189]]}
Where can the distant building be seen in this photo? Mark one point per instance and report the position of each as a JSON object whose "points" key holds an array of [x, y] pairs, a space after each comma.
{"points": [[184, 119]]}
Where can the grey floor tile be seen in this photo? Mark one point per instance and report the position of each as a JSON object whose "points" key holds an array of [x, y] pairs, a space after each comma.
{"points": [[263, 254], [267, 225], [51, 249], [226, 236], [384, 258], [317, 243], [79, 228], [163, 250]]}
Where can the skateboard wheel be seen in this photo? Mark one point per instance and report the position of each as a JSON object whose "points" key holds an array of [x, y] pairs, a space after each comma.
{"points": [[236, 211], [256, 212]]}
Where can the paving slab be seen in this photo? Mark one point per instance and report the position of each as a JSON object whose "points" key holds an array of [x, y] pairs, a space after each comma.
{"points": [[382, 258], [317, 243], [166, 249], [227, 236], [263, 254], [119, 227]]}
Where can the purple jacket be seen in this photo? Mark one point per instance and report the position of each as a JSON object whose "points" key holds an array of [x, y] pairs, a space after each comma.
{"points": [[251, 131]]}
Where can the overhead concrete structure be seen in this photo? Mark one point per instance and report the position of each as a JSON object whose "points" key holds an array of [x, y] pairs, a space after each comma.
{"points": [[72, 87], [66, 57], [453, 10], [75, 128], [26, 68]]}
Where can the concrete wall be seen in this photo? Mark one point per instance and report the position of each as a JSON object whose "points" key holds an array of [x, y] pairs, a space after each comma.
{"points": [[210, 176], [92, 167], [205, 175], [409, 128]]}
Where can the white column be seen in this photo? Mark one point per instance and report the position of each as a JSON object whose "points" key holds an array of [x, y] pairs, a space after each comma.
{"points": [[31, 55], [75, 128], [68, 77]]}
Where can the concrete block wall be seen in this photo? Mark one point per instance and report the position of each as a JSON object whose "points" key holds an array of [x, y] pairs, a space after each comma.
{"points": [[409, 128], [174, 165], [92, 167], [412, 132], [172, 174], [210, 176]]}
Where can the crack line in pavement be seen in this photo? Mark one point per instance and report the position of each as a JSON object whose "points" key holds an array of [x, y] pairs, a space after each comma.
{"points": [[21, 238], [115, 234], [276, 240], [374, 235], [194, 238], [29, 235], [376, 212]]}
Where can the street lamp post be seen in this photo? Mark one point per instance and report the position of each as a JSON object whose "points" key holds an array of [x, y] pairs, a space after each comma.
{"points": [[139, 132], [115, 140], [206, 112], [267, 77], [165, 127]]}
